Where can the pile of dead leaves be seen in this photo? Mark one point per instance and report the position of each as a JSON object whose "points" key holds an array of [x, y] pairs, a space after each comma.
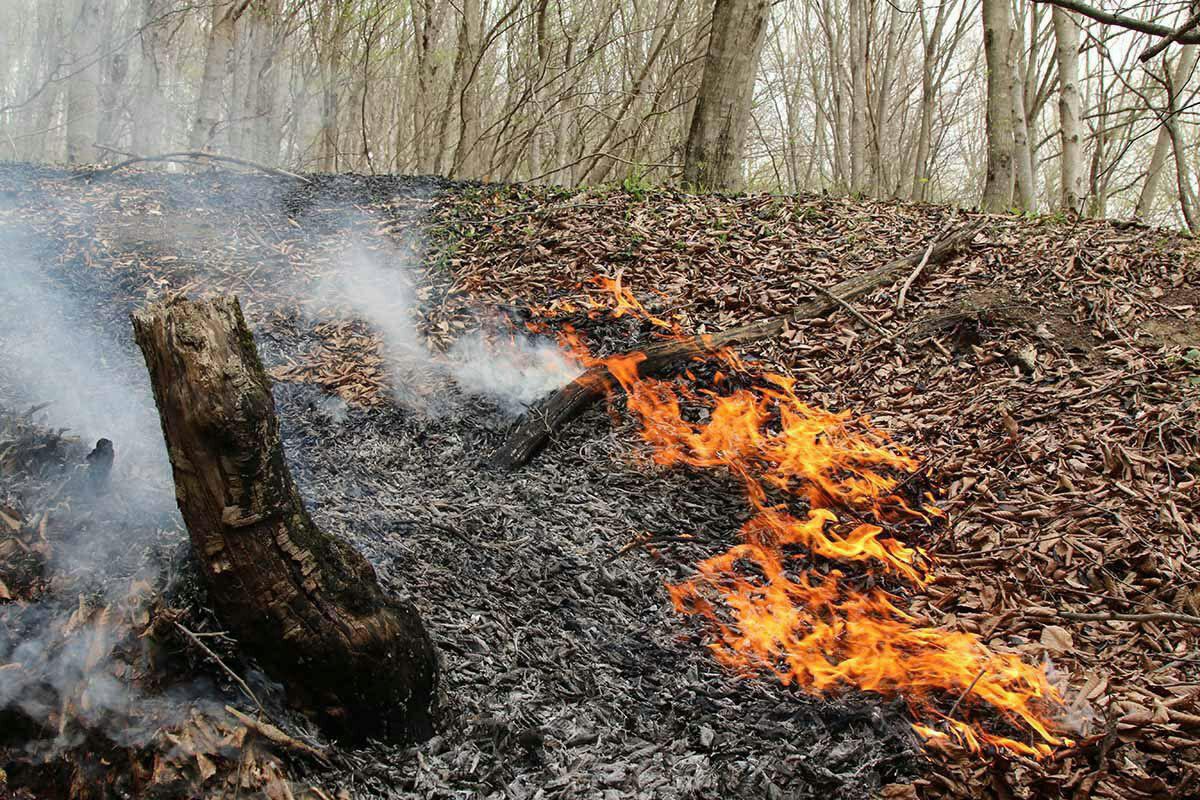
{"points": [[1050, 378]]}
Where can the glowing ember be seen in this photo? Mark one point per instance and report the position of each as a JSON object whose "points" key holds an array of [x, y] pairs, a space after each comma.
{"points": [[770, 608]]}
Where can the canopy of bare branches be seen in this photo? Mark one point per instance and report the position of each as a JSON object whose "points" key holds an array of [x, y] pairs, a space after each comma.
{"points": [[1092, 105]]}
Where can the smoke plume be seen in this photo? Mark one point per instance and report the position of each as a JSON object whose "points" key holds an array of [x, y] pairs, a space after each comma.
{"points": [[376, 282]]}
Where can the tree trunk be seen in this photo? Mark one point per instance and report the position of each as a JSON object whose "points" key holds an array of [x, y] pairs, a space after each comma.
{"points": [[997, 46], [150, 107], [930, 39], [305, 604], [1066, 53], [218, 59], [83, 88], [468, 158], [1162, 145], [1025, 180], [858, 95], [713, 153]]}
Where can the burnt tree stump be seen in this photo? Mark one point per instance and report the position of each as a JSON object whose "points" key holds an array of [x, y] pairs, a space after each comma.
{"points": [[305, 604]]}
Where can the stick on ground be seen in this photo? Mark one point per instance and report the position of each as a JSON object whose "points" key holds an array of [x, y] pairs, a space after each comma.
{"points": [[530, 435]]}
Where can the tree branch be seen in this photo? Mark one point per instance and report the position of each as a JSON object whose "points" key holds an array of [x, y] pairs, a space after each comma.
{"points": [[1167, 41], [1122, 21]]}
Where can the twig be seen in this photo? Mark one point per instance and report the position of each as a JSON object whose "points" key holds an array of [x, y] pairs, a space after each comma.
{"points": [[912, 276], [274, 734], [854, 312], [1115, 616], [966, 692], [192, 154], [216, 658]]}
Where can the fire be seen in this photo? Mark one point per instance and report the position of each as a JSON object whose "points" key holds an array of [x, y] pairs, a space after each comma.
{"points": [[771, 606]]}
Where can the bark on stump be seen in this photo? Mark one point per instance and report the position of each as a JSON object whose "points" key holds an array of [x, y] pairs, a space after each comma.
{"points": [[306, 605]]}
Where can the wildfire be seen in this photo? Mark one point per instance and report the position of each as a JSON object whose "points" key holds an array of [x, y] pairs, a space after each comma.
{"points": [[771, 607]]}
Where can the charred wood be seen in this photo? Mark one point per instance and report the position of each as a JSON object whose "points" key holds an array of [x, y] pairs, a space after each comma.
{"points": [[534, 430], [305, 604]]}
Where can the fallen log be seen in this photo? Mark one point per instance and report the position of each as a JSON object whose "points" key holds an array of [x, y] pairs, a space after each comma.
{"points": [[549, 415], [305, 604]]}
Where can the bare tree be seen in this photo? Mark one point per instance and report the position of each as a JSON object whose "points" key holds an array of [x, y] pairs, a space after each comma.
{"points": [[713, 153], [1066, 55], [997, 47]]}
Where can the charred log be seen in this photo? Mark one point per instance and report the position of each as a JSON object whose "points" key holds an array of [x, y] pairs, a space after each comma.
{"points": [[305, 604], [530, 435]]}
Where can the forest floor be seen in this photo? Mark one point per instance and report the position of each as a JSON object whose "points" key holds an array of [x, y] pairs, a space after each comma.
{"points": [[1048, 378]]}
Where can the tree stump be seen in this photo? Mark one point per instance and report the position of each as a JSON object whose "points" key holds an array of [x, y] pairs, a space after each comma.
{"points": [[308, 606]]}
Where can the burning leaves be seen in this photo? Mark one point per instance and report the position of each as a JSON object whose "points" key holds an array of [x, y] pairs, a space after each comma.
{"points": [[771, 608]]}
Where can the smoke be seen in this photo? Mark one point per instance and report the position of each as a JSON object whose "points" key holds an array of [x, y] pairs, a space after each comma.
{"points": [[55, 349], [61, 344], [376, 281]]}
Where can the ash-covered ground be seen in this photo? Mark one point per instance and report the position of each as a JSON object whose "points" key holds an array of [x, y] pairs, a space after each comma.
{"points": [[567, 673]]}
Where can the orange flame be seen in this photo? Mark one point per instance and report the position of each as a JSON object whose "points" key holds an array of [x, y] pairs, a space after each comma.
{"points": [[769, 607]]}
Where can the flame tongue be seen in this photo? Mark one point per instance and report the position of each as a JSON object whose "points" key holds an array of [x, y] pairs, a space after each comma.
{"points": [[769, 607]]}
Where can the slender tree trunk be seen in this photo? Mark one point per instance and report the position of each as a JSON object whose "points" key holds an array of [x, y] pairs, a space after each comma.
{"points": [[427, 21], [881, 135], [1025, 181], [1182, 181], [858, 95], [83, 87], [467, 155], [997, 46], [218, 60], [150, 104], [263, 98], [1184, 65], [1066, 53], [930, 40], [713, 153], [305, 604]]}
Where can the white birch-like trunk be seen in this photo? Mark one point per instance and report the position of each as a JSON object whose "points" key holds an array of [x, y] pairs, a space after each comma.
{"points": [[997, 47], [1066, 54], [218, 60]]}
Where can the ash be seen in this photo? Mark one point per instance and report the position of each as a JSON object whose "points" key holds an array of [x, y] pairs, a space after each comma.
{"points": [[567, 673]]}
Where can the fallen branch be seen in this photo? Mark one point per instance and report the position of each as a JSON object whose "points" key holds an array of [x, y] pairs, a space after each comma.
{"points": [[1115, 616], [195, 155], [552, 413], [276, 736], [849, 309]]}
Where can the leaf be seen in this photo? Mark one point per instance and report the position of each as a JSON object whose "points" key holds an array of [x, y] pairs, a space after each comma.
{"points": [[1057, 639]]}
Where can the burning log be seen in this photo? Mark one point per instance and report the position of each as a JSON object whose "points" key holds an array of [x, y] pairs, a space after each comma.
{"points": [[542, 421], [305, 604]]}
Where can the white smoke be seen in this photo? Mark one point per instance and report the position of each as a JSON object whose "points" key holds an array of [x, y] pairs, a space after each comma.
{"points": [[376, 281]]}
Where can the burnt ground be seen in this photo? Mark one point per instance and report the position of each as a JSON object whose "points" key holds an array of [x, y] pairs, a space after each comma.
{"points": [[567, 672], [1046, 377]]}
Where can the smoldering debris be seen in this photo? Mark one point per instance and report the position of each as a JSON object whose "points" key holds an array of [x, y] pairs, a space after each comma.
{"points": [[379, 270], [567, 670]]}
